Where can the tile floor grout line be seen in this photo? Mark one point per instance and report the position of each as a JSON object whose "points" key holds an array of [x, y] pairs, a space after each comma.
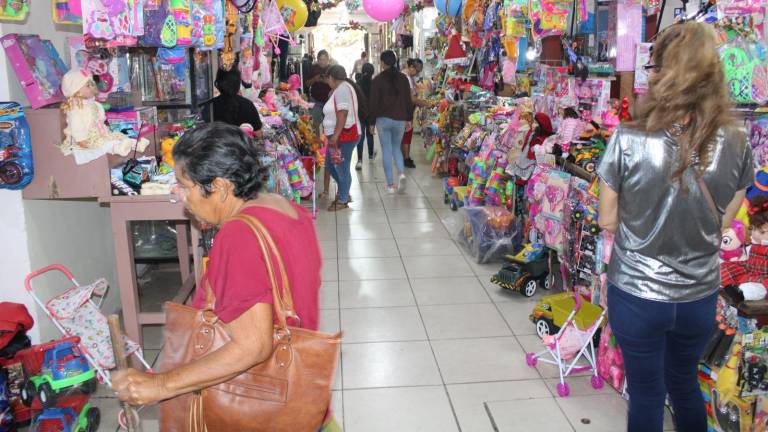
{"points": [[429, 340]]}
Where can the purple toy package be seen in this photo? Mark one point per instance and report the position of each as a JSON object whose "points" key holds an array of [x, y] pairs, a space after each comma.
{"points": [[37, 68]]}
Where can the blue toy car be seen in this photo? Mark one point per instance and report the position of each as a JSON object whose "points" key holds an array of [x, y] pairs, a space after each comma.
{"points": [[74, 415]]}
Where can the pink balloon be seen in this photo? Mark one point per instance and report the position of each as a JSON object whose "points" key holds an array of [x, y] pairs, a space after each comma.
{"points": [[383, 10]]}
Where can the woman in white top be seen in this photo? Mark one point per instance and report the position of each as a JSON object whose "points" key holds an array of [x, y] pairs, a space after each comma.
{"points": [[340, 116]]}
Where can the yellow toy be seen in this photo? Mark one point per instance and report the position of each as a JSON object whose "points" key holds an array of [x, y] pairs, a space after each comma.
{"points": [[728, 377], [166, 147]]}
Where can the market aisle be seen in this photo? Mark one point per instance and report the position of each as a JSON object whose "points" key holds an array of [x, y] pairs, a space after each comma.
{"points": [[430, 344]]}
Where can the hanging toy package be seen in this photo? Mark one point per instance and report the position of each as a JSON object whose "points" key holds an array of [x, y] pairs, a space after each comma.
{"points": [[14, 10], [207, 24], [117, 22], [16, 169], [68, 12]]}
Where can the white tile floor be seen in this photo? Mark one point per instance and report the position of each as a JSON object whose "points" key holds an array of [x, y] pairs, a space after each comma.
{"points": [[430, 344]]}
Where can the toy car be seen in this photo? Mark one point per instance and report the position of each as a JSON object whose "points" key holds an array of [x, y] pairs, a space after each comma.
{"points": [[457, 199], [62, 367], [525, 277], [551, 312], [74, 414]]}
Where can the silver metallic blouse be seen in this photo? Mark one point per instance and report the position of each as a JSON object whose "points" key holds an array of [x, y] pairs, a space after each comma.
{"points": [[667, 242]]}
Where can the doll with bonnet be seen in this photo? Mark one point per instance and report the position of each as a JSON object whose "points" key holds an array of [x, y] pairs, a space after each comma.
{"points": [[87, 135]]}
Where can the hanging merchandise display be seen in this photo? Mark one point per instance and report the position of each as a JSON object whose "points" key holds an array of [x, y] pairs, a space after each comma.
{"points": [[549, 17], [383, 10], [37, 68], [67, 12], [227, 55], [745, 59], [294, 13], [451, 8], [113, 22], [14, 10]]}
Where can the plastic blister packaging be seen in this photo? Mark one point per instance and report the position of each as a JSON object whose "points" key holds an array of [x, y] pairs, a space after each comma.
{"points": [[16, 167], [488, 233]]}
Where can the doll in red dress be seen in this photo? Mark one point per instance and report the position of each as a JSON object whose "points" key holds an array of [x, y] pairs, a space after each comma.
{"points": [[747, 280]]}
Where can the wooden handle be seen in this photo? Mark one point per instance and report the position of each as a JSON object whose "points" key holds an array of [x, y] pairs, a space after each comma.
{"points": [[121, 361]]}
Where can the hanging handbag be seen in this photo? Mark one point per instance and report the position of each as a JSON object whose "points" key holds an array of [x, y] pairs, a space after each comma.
{"points": [[350, 134], [290, 391]]}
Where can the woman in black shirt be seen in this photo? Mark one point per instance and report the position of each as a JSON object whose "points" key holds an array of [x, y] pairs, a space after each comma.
{"points": [[231, 108], [364, 82]]}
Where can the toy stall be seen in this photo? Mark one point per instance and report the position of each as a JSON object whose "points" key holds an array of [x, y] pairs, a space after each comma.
{"points": [[517, 137], [140, 75]]}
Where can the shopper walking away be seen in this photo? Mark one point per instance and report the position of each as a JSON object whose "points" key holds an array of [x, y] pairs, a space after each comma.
{"points": [[231, 108], [219, 177], [364, 82], [391, 108], [670, 182], [342, 127], [357, 69], [412, 70]]}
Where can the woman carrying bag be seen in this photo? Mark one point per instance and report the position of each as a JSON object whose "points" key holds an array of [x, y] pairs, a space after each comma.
{"points": [[246, 355], [341, 125]]}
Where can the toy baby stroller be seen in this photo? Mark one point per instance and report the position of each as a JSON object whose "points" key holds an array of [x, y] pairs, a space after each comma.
{"points": [[570, 345], [75, 313]]}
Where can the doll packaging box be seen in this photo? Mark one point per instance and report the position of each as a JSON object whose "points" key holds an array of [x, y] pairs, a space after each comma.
{"points": [[37, 68]]}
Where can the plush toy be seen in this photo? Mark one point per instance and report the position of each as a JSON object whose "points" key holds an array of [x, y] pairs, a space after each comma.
{"points": [[624, 114], [747, 280], [294, 84], [87, 136], [732, 245]]}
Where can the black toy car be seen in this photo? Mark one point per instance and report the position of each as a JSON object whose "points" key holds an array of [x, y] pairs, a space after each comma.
{"points": [[525, 277]]}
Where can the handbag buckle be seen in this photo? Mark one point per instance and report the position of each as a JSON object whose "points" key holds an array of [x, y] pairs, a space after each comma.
{"points": [[283, 335]]}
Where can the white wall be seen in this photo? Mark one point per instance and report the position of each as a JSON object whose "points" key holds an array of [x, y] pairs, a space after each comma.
{"points": [[35, 234]]}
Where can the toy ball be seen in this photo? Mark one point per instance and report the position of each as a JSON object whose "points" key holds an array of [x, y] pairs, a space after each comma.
{"points": [[294, 13], [451, 8], [383, 10]]}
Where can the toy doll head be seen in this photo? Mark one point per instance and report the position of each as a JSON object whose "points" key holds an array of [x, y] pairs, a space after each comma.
{"points": [[758, 219], [78, 83], [732, 243]]}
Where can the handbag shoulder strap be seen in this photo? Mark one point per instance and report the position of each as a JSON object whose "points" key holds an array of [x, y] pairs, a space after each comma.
{"points": [[354, 110], [281, 291]]}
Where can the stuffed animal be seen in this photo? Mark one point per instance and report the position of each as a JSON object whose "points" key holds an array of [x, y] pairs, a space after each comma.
{"points": [[294, 84], [747, 280], [87, 135], [732, 244]]}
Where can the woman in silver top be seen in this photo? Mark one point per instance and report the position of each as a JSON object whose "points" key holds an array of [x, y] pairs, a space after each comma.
{"points": [[670, 182]]}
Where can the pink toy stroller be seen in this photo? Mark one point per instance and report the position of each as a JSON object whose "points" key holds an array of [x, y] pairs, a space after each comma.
{"points": [[75, 313], [567, 347]]}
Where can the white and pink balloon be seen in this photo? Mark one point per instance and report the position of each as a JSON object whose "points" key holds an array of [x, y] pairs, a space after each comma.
{"points": [[383, 10]]}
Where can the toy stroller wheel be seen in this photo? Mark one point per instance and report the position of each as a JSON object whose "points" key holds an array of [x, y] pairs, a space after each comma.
{"points": [[47, 396], [549, 282], [543, 327], [122, 418], [28, 393], [454, 206], [94, 419], [89, 387], [530, 359], [597, 382], [10, 173], [563, 390], [446, 199], [530, 288]]}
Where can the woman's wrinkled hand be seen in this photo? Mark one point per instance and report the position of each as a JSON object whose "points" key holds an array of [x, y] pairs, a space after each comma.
{"points": [[138, 388]]}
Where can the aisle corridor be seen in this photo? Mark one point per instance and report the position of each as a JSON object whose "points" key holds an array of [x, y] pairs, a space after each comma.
{"points": [[430, 344]]}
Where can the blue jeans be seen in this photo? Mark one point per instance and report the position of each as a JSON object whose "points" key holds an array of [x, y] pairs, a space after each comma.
{"points": [[341, 173], [365, 134], [390, 136], [662, 344]]}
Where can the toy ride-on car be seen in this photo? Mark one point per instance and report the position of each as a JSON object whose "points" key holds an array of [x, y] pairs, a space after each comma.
{"points": [[526, 272], [74, 414], [551, 312], [58, 367]]}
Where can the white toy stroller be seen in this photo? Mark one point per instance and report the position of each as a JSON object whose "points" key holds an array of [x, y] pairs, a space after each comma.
{"points": [[568, 346], [75, 313]]}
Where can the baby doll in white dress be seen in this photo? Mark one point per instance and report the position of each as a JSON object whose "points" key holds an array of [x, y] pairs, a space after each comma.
{"points": [[87, 135]]}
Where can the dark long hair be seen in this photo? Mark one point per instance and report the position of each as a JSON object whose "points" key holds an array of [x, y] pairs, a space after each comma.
{"points": [[338, 73], [392, 73], [365, 78], [216, 149], [228, 84]]}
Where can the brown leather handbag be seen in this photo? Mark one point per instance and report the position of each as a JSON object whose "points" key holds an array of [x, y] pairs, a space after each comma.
{"points": [[290, 391]]}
